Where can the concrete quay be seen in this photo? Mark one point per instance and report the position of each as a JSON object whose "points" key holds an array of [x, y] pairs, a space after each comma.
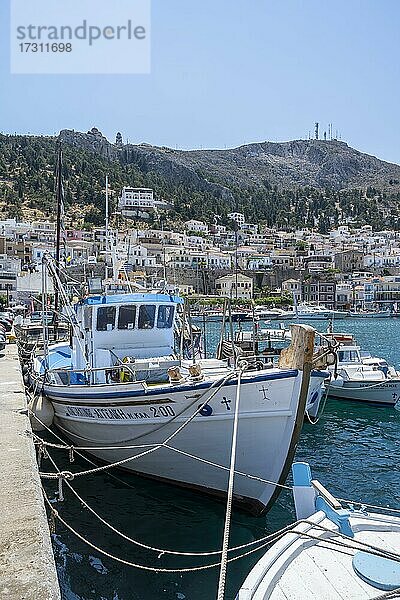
{"points": [[27, 568]]}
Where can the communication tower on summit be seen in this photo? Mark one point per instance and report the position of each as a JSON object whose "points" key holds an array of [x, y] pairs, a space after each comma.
{"points": [[316, 130]]}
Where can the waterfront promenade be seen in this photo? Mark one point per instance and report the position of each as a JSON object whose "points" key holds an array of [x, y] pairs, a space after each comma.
{"points": [[27, 569]]}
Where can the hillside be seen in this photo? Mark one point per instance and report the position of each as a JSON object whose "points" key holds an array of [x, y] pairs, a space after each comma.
{"points": [[315, 182]]}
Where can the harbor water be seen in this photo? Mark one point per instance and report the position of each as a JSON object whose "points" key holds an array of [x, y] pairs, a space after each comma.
{"points": [[353, 450]]}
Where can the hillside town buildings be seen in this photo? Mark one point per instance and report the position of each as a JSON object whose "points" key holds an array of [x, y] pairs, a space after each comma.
{"points": [[348, 268]]}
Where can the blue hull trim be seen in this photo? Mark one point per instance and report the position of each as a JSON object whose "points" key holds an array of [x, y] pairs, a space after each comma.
{"points": [[186, 388]]}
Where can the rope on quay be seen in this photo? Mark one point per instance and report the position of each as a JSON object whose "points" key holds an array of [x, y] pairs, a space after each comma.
{"points": [[228, 516]]}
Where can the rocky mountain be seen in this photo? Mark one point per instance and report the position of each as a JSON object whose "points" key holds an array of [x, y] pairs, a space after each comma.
{"points": [[288, 165], [314, 183]]}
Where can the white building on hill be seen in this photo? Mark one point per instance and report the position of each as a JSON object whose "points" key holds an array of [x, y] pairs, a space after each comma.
{"points": [[139, 202]]}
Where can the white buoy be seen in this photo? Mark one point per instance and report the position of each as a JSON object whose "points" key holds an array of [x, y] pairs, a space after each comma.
{"points": [[43, 409]]}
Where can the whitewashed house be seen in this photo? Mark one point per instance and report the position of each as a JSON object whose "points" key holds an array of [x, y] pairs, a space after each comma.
{"points": [[235, 286]]}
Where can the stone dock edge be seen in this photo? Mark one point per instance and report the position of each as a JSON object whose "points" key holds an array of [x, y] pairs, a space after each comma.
{"points": [[27, 567]]}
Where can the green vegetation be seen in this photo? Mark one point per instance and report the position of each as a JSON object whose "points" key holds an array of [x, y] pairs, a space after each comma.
{"points": [[27, 191]]}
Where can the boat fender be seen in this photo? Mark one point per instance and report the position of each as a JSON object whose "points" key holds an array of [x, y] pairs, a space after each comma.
{"points": [[331, 359], [125, 375], [206, 411], [43, 409]]}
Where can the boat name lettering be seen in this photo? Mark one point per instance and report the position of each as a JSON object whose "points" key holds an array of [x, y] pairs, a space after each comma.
{"points": [[105, 413], [382, 385], [162, 411]]}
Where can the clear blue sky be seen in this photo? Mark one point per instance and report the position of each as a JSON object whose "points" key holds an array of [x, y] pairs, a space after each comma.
{"points": [[228, 72]]}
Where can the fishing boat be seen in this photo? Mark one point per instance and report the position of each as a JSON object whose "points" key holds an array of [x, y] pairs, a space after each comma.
{"points": [[331, 551], [362, 377], [125, 391]]}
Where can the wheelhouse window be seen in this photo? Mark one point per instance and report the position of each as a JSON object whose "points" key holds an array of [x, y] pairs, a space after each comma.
{"points": [[105, 318], [147, 313], [348, 356], [126, 317], [165, 317]]}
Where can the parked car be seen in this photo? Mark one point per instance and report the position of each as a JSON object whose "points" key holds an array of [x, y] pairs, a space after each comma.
{"points": [[6, 323]]}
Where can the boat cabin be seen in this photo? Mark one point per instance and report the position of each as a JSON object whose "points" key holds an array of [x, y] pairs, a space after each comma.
{"points": [[124, 328]]}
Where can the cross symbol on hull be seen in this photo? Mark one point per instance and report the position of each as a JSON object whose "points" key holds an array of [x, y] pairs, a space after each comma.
{"points": [[264, 391], [226, 401]]}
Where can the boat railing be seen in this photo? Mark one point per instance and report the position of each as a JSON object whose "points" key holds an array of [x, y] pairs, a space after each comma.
{"points": [[122, 373]]}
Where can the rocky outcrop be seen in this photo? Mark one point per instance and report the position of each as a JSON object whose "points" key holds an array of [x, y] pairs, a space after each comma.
{"points": [[299, 163]]}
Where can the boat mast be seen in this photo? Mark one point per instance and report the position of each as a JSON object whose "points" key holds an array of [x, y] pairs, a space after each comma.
{"points": [[107, 228], [59, 195]]}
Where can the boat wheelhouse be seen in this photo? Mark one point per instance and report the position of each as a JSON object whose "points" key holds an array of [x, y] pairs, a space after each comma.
{"points": [[124, 329]]}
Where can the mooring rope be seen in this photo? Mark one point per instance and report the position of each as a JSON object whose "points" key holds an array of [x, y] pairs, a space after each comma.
{"points": [[218, 382], [159, 551], [40, 442], [364, 504], [272, 538], [392, 595], [228, 516], [370, 548]]}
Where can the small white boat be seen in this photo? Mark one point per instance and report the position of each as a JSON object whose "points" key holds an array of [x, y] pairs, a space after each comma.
{"points": [[362, 377], [331, 553], [314, 312], [265, 314], [380, 314]]}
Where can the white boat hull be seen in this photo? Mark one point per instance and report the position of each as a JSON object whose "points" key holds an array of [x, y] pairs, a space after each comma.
{"points": [[386, 393], [270, 420]]}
